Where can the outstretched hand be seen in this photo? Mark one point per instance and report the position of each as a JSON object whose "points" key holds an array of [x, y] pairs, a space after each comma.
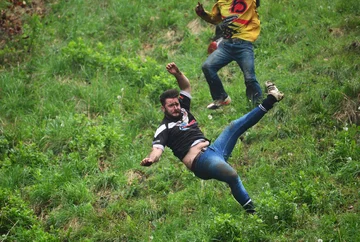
{"points": [[199, 9], [172, 68], [146, 162]]}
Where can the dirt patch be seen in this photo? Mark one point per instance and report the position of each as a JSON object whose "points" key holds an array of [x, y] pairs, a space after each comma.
{"points": [[13, 13], [350, 111], [133, 175], [195, 27], [336, 32]]}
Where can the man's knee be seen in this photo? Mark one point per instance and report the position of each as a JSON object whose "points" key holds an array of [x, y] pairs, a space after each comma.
{"points": [[230, 174], [205, 67]]}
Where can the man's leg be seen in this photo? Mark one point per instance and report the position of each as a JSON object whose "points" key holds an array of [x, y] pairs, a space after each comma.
{"points": [[226, 141], [211, 165], [215, 61], [244, 56]]}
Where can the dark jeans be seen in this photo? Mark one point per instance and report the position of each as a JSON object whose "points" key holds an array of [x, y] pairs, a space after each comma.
{"points": [[240, 51], [212, 164]]}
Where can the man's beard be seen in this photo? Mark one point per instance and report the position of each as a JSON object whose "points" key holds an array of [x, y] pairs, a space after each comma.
{"points": [[169, 115]]}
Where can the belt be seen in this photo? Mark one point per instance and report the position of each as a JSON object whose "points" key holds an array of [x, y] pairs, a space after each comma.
{"points": [[233, 40], [197, 158]]}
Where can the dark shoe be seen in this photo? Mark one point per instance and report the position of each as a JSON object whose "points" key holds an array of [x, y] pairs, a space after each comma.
{"points": [[249, 207]]}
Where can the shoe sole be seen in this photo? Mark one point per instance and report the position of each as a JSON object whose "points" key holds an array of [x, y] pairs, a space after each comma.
{"points": [[278, 95], [218, 106]]}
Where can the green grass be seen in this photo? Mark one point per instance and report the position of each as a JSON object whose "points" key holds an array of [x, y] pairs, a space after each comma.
{"points": [[79, 106]]}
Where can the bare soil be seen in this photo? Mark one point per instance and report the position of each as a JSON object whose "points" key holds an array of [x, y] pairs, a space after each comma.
{"points": [[12, 15]]}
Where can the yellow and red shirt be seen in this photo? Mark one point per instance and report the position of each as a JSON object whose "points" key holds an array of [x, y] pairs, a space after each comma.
{"points": [[245, 23]]}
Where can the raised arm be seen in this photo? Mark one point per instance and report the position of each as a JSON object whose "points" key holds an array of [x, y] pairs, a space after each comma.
{"points": [[181, 79], [213, 17]]}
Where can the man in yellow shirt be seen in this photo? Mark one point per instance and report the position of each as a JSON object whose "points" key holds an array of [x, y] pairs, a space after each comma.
{"points": [[239, 23]]}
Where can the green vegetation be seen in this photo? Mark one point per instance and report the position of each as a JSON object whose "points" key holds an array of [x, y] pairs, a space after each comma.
{"points": [[79, 106]]}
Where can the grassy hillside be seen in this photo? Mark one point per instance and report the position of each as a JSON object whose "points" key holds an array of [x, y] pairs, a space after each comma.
{"points": [[79, 87]]}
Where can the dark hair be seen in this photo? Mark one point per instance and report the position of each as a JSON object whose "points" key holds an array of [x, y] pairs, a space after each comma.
{"points": [[171, 93]]}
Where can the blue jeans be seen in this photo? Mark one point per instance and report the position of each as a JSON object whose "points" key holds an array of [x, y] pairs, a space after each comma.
{"points": [[212, 164], [240, 51]]}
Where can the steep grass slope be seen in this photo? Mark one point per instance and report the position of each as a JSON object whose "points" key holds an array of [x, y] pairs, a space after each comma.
{"points": [[79, 90]]}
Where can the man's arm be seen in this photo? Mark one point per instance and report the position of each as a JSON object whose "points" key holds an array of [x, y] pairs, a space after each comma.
{"points": [[181, 79], [153, 157], [213, 17]]}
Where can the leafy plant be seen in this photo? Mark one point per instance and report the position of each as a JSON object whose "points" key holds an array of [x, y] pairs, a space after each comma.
{"points": [[18, 222]]}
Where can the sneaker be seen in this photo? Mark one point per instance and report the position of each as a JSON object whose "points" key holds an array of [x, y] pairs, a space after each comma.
{"points": [[249, 207], [272, 90], [218, 103]]}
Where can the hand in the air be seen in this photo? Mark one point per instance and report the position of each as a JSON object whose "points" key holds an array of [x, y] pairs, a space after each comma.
{"points": [[199, 9], [172, 68]]}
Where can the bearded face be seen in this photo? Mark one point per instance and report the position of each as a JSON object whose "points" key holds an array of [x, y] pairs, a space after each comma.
{"points": [[172, 108]]}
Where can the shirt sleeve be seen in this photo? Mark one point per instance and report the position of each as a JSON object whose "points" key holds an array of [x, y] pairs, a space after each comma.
{"points": [[185, 100], [160, 137]]}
